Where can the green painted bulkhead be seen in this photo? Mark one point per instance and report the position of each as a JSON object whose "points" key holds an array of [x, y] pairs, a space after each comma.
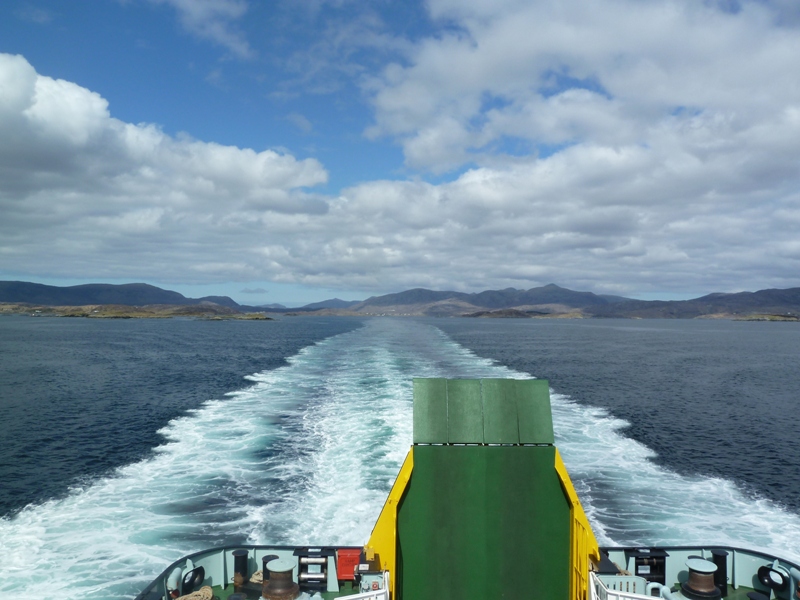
{"points": [[484, 514]]}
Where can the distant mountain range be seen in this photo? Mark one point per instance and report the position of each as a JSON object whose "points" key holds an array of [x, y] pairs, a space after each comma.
{"points": [[333, 303], [546, 301], [128, 294], [555, 301], [507, 298], [773, 302]]}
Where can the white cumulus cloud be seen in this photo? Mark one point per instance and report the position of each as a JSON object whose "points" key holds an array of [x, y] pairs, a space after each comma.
{"points": [[81, 191], [607, 71]]}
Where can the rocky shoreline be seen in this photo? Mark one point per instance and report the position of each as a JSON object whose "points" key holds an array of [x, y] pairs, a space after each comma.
{"points": [[207, 311]]}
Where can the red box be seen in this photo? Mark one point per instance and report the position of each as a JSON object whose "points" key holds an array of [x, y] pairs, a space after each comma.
{"points": [[347, 560]]}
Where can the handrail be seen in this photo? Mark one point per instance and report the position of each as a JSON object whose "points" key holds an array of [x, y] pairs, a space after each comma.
{"points": [[598, 591]]}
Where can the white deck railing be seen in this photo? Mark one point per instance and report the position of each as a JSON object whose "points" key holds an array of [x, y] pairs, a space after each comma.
{"points": [[619, 588]]}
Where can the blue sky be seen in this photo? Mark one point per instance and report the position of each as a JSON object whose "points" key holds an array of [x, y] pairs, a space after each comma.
{"points": [[282, 93], [299, 150]]}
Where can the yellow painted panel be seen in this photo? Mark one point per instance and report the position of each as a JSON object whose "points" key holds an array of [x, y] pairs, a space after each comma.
{"points": [[583, 544], [383, 540]]}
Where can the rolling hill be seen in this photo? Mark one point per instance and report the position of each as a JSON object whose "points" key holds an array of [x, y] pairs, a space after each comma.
{"points": [[129, 294]]}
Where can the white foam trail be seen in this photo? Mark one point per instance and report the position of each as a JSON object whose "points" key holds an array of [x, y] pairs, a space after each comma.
{"points": [[632, 501], [360, 432], [308, 453]]}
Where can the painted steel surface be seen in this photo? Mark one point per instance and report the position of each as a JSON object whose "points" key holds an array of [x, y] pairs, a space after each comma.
{"points": [[383, 541], [482, 411], [483, 522], [483, 502], [583, 544]]}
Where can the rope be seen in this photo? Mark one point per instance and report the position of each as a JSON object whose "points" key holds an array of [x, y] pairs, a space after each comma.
{"points": [[257, 577], [204, 593]]}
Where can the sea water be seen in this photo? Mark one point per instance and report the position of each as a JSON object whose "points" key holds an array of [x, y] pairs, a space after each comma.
{"points": [[305, 450]]}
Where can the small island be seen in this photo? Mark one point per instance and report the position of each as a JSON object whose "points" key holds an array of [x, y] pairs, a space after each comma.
{"points": [[205, 310]]}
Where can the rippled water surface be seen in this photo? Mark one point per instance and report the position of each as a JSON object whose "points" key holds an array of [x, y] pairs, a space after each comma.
{"points": [[82, 396], [167, 449]]}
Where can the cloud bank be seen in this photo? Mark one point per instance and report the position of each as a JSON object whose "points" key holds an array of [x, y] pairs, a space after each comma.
{"points": [[86, 195], [611, 145]]}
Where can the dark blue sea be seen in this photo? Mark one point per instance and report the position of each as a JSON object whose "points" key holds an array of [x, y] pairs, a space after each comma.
{"points": [[128, 443]]}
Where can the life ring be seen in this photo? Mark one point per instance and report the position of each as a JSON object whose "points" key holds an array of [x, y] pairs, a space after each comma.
{"points": [[193, 579]]}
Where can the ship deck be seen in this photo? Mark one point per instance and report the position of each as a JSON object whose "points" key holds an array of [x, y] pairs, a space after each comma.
{"points": [[253, 592], [740, 594]]}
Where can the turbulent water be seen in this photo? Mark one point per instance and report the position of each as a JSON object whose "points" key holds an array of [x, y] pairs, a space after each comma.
{"points": [[306, 453]]}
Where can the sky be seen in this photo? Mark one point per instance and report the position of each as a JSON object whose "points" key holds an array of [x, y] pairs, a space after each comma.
{"points": [[289, 151]]}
